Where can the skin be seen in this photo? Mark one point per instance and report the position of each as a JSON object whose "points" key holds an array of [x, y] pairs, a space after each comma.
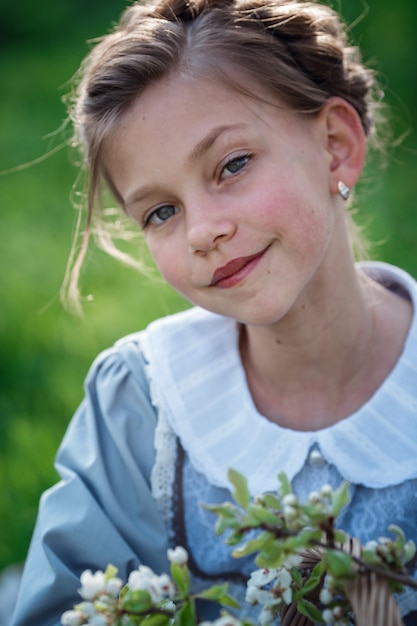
{"points": [[238, 201]]}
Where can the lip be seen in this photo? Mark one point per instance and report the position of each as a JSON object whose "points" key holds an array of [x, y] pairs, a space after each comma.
{"points": [[236, 270]]}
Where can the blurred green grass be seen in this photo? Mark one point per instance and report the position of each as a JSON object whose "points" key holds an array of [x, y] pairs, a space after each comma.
{"points": [[45, 351]]}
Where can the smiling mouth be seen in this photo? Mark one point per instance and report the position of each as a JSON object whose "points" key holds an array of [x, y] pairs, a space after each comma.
{"points": [[236, 270]]}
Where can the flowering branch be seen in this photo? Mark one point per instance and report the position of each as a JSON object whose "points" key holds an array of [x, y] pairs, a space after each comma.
{"points": [[309, 572], [306, 561]]}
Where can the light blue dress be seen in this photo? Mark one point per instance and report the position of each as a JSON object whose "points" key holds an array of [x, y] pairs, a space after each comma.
{"points": [[167, 411]]}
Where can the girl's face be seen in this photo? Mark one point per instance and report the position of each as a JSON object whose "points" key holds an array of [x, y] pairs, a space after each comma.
{"points": [[233, 196]]}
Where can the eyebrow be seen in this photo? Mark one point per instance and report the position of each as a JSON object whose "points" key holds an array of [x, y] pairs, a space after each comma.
{"points": [[207, 142], [138, 196], [199, 150]]}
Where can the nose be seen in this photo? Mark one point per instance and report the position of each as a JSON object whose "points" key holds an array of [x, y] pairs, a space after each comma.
{"points": [[208, 224]]}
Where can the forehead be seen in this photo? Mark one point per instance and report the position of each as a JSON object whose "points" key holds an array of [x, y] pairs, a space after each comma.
{"points": [[183, 101]]}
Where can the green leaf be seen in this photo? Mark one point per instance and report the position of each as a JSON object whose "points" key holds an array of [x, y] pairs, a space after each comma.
{"points": [[409, 550], [227, 600], [223, 524], [398, 534], [340, 564], [186, 616], [340, 536], [271, 556], [241, 492], [341, 498], [264, 516], [218, 593], [226, 509], [285, 485], [296, 576], [227, 516], [213, 593], [253, 545], [315, 578], [304, 539], [261, 542], [234, 538], [310, 610], [137, 601], [272, 501], [111, 572], [156, 619], [181, 577], [370, 557]]}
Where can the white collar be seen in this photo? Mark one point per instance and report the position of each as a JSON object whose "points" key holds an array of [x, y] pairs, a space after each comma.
{"points": [[199, 382]]}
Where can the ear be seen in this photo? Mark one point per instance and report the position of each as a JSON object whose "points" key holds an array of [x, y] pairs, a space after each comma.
{"points": [[345, 142]]}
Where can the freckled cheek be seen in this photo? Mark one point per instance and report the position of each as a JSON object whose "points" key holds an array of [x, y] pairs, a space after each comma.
{"points": [[295, 219]]}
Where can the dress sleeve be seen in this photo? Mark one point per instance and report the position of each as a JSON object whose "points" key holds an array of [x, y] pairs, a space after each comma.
{"points": [[102, 510]]}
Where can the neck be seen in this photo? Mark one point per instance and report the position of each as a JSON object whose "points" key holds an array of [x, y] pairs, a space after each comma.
{"points": [[325, 359]]}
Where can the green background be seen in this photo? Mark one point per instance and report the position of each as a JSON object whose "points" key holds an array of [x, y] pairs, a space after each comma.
{"points": [[45, 351]]}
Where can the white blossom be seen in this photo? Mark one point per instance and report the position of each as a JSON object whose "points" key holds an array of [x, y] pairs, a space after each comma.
{"points": [[166, 586], [72, 618], [325, 596], [158, 587], [371, 545], [338, 612], [290, 512], [92, 584], [98, 620], [326, 491], [140, 578], [283, 578], [113, 586], [261, 577], [281, 590], [251, 594], [283, 585], [384, 541], [87, 608], [290, 499], [314, 497], [266, 616], [328, 616], [266, 597], [292, 560], [287, 595], [169, 605], [178, 555]]}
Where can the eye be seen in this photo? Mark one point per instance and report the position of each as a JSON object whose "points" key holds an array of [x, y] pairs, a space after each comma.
{"points": [[161, 215], [234, 166]]}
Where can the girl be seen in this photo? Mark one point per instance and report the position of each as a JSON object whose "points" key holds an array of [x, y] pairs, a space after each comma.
{"points": [[232, 132]]}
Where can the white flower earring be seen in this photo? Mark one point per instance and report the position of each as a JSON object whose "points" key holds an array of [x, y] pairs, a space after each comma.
{"points": [[343, 189]]}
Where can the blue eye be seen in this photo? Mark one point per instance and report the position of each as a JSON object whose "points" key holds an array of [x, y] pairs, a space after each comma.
{"points": [[235, 165], [161, 214]]}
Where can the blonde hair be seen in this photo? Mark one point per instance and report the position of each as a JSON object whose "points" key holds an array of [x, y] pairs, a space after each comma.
{"points": [[295, 50]]}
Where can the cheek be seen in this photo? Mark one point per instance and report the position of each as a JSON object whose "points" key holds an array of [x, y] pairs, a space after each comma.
{"points": [[301, 222], [168, 262]]}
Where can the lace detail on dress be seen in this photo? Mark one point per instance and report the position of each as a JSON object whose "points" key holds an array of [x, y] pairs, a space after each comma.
{"points": [[211, 561], [162, 474]]}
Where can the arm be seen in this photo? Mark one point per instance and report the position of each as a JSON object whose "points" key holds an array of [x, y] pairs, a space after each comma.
{"points": [[102, 511]]}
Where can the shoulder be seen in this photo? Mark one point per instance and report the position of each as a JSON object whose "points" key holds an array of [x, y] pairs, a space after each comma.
{"points": [[116, 418]]}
